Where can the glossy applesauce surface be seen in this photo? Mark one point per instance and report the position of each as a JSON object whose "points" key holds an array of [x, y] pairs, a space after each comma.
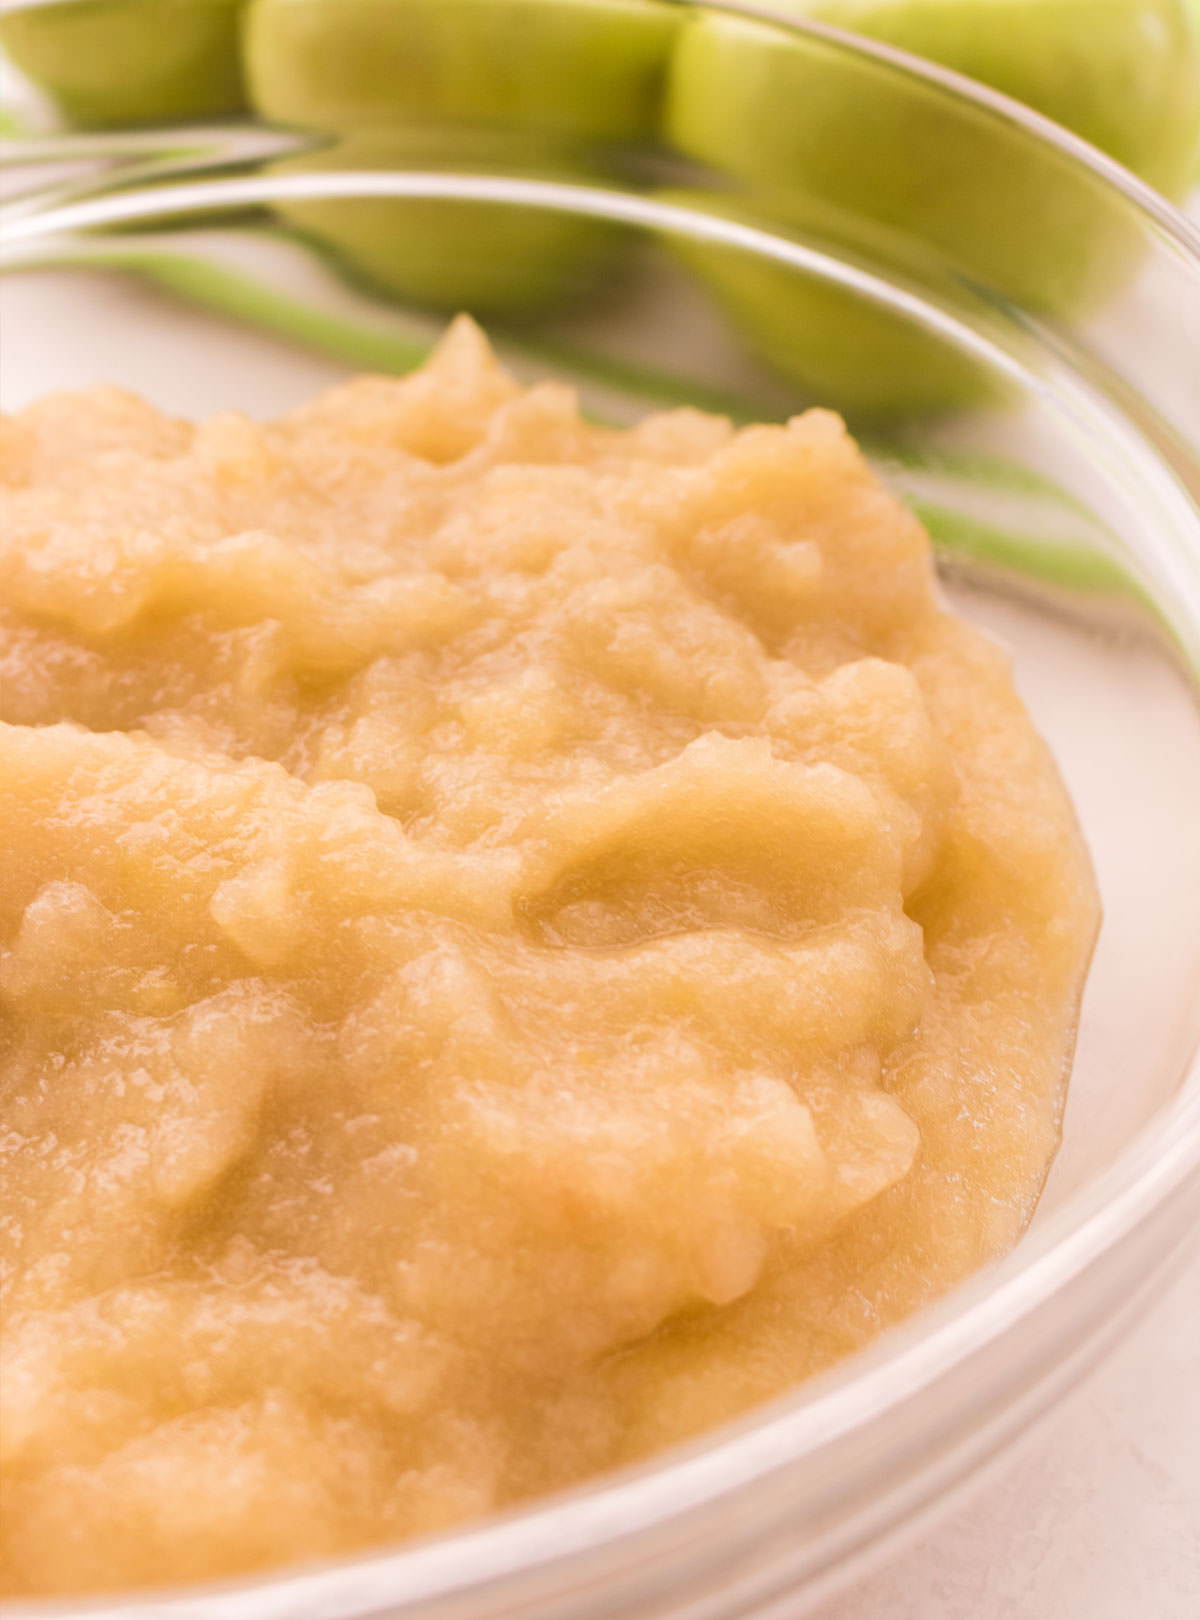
{"points": [[517, 942]]}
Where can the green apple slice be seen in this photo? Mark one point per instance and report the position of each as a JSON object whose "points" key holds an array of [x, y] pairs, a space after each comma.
{"points": [[794, 118], [117, 62], [495, 261], [583, 68]]}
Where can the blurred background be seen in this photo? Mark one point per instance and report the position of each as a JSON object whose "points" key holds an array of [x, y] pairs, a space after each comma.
{"points": [[708, 108]]}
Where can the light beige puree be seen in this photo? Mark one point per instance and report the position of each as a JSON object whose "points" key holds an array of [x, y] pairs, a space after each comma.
{"points": [[516, 942]]}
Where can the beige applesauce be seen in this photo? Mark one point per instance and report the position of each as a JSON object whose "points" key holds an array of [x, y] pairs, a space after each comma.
{"points": [[517, 941]]}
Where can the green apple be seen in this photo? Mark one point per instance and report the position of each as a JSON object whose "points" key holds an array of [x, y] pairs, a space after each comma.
{"points": [[116, 62], [840, 347], [584, 68], [896, 172], [794, 118], [523, 86], [502, 262], [1123, 74], [1196, 15]]}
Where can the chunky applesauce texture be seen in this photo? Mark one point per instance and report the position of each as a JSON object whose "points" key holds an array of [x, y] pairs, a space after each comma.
{"points": [[518, 941]]}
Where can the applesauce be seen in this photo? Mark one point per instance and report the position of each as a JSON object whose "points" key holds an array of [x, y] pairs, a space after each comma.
{"points": [[517, 942]]}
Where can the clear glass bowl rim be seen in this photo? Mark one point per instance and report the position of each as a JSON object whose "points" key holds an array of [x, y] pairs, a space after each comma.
{"points": [[1154, 1185]]}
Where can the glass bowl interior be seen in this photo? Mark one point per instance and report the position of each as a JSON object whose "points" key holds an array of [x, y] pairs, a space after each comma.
{"points": [[1047, 429]]}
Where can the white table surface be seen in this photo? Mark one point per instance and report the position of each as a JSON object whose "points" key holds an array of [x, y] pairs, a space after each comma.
{"points": [[1096, 1515]]}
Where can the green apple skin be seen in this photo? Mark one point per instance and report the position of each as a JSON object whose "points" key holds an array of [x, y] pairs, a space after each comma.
{"points": [[496, 262], [1196, 28], [109, 63], [528, 87], [590, 69], [1123, 74], [792, 118], [839, 348]]}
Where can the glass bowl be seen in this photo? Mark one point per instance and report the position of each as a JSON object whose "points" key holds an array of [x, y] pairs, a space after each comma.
{"points": [[1011, 323]]}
